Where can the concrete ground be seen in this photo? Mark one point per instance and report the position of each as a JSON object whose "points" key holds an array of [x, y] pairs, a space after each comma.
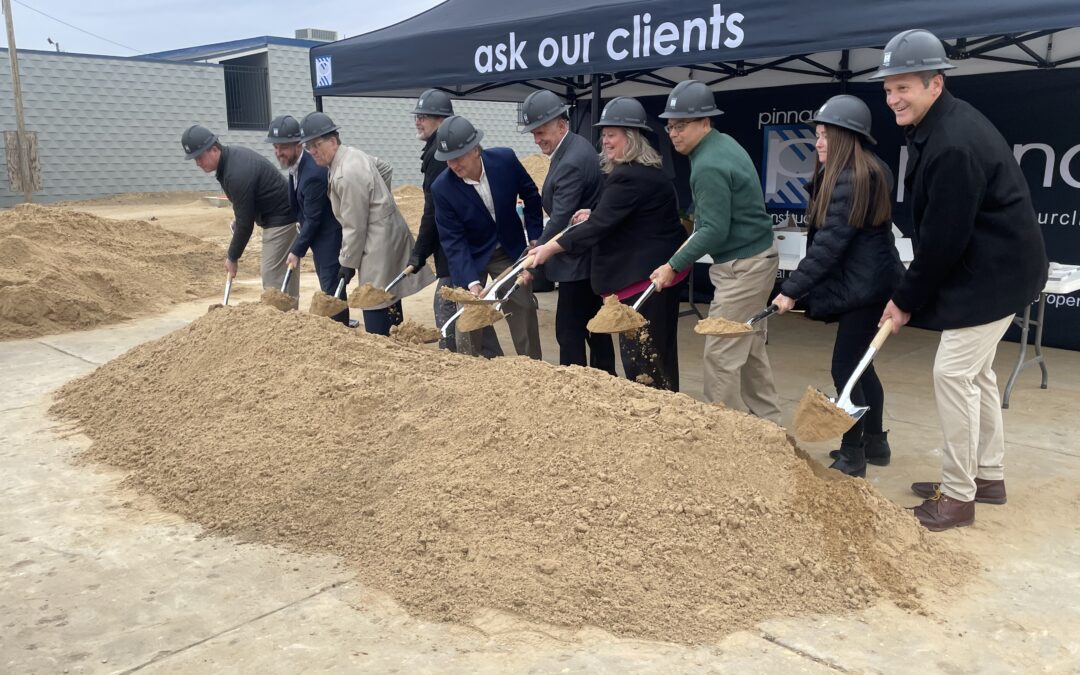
{"points": [[99, 580]]}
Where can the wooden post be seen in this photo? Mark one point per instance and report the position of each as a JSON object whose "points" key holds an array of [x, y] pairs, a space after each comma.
{"points": [[20, 123]]}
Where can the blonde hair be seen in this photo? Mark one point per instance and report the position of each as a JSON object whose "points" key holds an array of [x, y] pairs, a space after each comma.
{"points": [[637, 150]]}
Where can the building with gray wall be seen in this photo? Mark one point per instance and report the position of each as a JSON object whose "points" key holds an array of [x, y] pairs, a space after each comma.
{"points": [[108, 125]]}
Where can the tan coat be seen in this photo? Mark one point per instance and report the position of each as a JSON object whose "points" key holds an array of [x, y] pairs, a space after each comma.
{"points": [[375, 240]]}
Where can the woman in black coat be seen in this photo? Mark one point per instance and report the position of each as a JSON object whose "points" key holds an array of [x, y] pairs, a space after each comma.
{"points": [[634, 229], [851, 266]]}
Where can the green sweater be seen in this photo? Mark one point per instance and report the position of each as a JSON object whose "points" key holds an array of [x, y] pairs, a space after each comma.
{"points": [[729, 208]]}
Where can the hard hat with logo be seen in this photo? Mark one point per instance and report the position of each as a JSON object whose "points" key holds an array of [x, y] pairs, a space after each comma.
{"points": [[434, 102], [913, 51], [848, 112], [455, 137], [314, 125], [283, 129], [539, 108], [196, 140], [690, 99], [624, 112]]}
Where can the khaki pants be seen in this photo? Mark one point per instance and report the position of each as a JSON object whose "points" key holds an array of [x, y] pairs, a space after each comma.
{"points": [[737, 370], [969, 406], [520, 312], [276, 242]]}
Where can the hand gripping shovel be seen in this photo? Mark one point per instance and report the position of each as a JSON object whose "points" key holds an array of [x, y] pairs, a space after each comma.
{"points": [[819, 418], [717, 327]]}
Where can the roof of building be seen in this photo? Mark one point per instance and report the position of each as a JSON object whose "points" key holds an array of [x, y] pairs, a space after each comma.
{"points": [[221, 49]]}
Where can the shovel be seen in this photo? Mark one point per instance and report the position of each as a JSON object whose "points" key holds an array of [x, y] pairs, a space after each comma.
{"points": [[731, 329], [228, 290], [819, 418], [279, 299], [368, 296], [326, 305]]}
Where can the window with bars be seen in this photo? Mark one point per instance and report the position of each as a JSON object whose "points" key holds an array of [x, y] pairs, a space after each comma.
{"points": [[247, 96]]}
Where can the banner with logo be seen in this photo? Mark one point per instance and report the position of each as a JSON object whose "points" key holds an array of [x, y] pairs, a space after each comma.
{"points": [[1034, 110]]}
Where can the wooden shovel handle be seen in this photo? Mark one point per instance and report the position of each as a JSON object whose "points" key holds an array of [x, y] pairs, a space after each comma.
{"points": [[883, 332]]}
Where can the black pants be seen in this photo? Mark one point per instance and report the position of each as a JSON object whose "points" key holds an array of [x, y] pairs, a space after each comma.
{"points": [[652, 354], [577, 304], [854, 332], [379, 321]]}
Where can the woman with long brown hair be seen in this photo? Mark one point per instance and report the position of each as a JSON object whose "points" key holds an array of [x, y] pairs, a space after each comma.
{"points": [[851, 266]]}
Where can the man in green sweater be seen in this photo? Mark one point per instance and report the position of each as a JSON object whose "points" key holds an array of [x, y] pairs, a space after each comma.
{"points": [[734, 229]]}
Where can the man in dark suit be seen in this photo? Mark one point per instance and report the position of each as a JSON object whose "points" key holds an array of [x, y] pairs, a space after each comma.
{"points": [[573, 183], [431, 109], [319, 231], [479, 227]]}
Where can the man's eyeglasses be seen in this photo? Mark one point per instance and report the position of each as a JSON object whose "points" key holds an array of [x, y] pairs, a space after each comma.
{"points": [[420, 117], [678, 127], [312, 145]]}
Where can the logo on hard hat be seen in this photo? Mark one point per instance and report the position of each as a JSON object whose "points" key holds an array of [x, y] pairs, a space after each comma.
{"points": [[671, 103], [525, 117], [445, 146], [274, 132], [888, 57]]}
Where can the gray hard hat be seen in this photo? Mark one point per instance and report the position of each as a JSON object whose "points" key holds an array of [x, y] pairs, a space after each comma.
{"points": [[913, 51], [283, 129], [539, 108], [196, 140], [434, 102], [314, 125], [624, 112], [455, 137], [848, 112], [690, 99]]}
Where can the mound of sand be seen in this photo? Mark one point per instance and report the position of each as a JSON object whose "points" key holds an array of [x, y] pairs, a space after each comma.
{"points": [[537, 166], [63, 270], [410, 201], [456, 484]]}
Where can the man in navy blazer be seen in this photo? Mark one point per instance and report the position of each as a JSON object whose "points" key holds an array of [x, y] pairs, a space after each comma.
{"points": [[479, 227], [319, 230]]}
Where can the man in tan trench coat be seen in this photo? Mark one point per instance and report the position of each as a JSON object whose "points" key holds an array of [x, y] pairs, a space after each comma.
{"points": [[375, 241]]}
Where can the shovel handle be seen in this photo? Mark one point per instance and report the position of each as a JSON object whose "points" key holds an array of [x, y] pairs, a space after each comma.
{"points": [[883, 332], [768, 311], [340, 288], [649, 290], [228, 289], [288, 275]]}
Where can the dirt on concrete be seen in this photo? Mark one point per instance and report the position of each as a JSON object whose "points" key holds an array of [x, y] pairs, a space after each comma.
{"points": [[63, 270], [561, 495]]}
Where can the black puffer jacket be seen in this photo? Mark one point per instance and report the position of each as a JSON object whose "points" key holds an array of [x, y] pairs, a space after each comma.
{"points": [[846, 267]]}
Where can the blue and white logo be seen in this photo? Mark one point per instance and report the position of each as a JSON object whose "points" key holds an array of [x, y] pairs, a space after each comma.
{"points": [[324, 73], [788, 165]]}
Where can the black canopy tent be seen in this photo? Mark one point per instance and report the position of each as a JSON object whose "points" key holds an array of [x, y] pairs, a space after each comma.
{"points": [[480, 49]]}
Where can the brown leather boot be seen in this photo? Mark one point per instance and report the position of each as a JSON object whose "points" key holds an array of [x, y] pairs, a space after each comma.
{"points": [[986, 491], [942, 512]]}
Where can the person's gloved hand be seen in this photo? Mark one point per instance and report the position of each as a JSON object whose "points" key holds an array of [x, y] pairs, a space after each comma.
{"points": [[346, 274]]}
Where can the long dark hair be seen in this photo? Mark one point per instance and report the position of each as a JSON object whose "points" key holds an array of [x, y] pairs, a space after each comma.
{"points": [[846, 151]]}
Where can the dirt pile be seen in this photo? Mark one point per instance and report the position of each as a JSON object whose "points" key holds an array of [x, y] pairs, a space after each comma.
{"points": [[455, 484], [537, 165], [410, 201], [63, 270], [414, 333]]}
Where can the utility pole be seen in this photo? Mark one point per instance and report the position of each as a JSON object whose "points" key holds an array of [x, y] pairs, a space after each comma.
{"points": [[20, 123]]}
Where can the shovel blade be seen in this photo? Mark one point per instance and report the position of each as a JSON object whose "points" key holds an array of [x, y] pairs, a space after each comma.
{"points": [[855, 411]]}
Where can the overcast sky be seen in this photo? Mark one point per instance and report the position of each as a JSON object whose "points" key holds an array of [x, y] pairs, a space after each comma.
{"points": [[132, 27]]}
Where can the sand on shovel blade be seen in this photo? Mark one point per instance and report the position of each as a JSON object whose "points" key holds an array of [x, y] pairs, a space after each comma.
{"points": [[414, 333], [615, 317], [326, 305], [367, 296], [714, 325], [819, 419], [476, 317], [277, 299]]}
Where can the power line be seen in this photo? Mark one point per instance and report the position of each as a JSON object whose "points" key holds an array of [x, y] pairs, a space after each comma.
{"points": [[32, 9]]}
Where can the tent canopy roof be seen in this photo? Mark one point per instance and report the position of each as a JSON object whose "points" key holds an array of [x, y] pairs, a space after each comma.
{"points": [[503, 51]]}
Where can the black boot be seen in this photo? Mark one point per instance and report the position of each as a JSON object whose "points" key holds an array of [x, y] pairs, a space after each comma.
{"points": [[852, 460], [877, 449]]}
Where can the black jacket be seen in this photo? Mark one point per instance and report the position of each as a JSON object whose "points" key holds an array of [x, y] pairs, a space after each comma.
{"points": [[258, 192], [573, 182], [634, 228], [427, 237], [310, 200], [979, 252], [846, 267]]}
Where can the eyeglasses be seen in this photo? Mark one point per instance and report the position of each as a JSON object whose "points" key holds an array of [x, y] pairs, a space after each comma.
{"points": [[420, 117], [313, 145], [678, 127]]}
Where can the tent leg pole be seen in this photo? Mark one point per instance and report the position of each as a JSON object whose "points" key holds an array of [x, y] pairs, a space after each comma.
{"points": [[593, 131], [318, 104]]}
